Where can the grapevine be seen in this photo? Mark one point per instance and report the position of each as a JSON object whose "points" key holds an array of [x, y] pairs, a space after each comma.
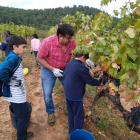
{"points": [[114, 48], [22, 30]]}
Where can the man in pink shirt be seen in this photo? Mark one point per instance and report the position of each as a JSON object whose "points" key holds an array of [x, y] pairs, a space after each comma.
{"points": [[54, 54]]}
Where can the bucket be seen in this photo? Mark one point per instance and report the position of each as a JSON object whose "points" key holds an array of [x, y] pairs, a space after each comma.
{"points": [[12, 115], [81, 135]]}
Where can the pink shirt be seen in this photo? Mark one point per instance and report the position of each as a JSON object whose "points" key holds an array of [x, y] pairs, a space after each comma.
{"points": [[51, 51], [35, 44]]}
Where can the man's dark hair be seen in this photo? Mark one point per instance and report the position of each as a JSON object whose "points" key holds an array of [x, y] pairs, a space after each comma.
{"points": [[65, 29], [16, 40], [79, 55], [35, 35]]}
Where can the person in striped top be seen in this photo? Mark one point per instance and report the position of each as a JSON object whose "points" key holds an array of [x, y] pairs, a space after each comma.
{"points": [[15, 85], [54, 54]]}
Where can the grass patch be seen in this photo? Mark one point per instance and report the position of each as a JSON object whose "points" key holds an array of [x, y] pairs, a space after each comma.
{"points": [[103, 124], [58, 87], [2, 56]]}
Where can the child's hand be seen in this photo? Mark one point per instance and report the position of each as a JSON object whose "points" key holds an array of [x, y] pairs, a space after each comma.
{"points": [[91, 73], [89, 63]]}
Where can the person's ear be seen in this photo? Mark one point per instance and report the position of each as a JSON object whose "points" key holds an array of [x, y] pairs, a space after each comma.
{"points": [[83, 56], [60, 35], [14, 47]]}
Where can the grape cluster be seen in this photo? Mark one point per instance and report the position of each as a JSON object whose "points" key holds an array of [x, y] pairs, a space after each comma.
{"points": [[116, 82], [104, 78], [135, 115]]}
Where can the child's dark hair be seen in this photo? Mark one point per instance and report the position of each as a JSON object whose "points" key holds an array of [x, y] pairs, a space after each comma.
{"points": [[35, 35], [79, 55], [16, 40], [65, 29]]}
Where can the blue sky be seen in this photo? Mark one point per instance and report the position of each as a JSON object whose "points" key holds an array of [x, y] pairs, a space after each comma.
{"points": [[42, 4]]}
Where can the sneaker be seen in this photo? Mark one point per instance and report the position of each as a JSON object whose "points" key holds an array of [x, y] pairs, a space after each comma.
{"points": [[29, 134], [51, 119]]}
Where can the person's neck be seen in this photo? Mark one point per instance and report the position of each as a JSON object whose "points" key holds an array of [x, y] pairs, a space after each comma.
{"points": [[62, 45], [15, 52], [78, 58], [81, 59]]}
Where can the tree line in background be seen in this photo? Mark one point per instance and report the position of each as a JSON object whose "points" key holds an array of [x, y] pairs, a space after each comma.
{"points": [[43, 19]]}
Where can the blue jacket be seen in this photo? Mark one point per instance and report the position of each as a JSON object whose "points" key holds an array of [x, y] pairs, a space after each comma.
{"points": [[77, 75], [5, 47], [7, 69]]}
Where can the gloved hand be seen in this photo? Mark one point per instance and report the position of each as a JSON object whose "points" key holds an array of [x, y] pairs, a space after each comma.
{"points": [[15, 82], [90, 63], [57, 72], [104, 79]]}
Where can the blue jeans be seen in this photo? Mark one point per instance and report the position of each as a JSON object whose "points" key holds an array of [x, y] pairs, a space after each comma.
{"points": [[35, 53], [48, 82], [22, 119]]}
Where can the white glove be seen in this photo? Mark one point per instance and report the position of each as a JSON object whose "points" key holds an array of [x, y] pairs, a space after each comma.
{"points": [[57, 72], [15, 82], [90, 63]]}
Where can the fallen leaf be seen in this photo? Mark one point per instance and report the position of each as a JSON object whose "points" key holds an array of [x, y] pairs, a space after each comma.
{"points": [[87, 114]]}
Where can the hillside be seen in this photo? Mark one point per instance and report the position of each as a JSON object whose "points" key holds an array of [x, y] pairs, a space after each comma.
{"points": [[43, 19]]}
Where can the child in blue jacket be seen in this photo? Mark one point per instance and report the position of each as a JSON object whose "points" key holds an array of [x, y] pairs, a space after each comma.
{"points": [[77, 75], [11, 74], [5, 43]]}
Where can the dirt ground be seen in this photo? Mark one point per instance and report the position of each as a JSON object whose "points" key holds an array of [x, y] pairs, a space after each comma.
{"points": [[38, 123]]}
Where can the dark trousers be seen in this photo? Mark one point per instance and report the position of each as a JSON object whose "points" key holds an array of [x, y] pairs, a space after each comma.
{"points": [[75, 115], [22, 119]]}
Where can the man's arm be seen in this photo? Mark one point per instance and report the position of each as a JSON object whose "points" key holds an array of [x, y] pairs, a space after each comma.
{"points": [[44, 63]]}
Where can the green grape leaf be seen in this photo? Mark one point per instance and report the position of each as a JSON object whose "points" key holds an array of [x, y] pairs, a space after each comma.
{"points": [[123, 77], [116, 12], [123, 41], [132, 96], [94, 34], [129, 41], [132, 55], [138, 73], [124, 58], [133, 72], [138, 98], [127, 66], [139, 82], [130, 82], [130, 32], [137, 24], [99, 49], [134, 66], [102, 40], [123, 11]]}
